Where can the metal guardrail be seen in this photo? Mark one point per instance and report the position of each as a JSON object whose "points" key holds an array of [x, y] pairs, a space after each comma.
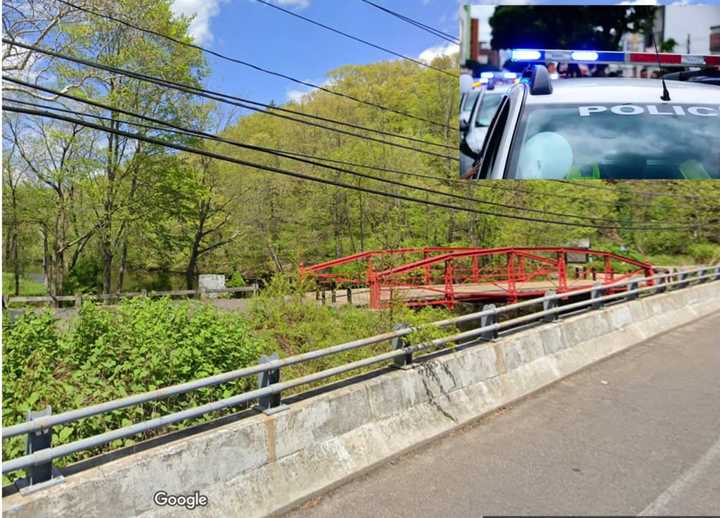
{"points": [[77, 299], [268, 395]]}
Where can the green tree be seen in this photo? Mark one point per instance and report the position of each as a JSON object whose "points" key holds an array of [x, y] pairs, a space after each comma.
{"points": [[567, 27]]}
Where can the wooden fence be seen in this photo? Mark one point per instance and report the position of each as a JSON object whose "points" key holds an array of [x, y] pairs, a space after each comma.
{"points": [[111, 297]]}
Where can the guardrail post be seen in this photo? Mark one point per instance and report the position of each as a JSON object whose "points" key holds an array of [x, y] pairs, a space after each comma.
{"points": [[549, 304], [324, 300], [661, 285], [333, 295], [78, 300], [41, 475], [349, 296], [683, 280], [400, 342], [717, 273], [598, 291], [632, 294], [701, 274], [265, 379], [489, 320]]}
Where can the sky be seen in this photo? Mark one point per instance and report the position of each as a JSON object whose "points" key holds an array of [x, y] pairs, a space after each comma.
{"points": [[253, 32], [256, 33]]}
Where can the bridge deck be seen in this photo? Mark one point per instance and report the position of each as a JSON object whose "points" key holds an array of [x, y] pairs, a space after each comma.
{"points": [[487, 290]]}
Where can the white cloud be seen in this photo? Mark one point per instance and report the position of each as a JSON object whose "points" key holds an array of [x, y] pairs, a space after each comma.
{"points": [[302, 4], [297, 95], [203, 11], [446, 49]]}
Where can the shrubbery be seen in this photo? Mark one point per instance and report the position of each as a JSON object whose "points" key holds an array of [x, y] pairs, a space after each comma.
{"points": [[106, 353], [704, 253]]}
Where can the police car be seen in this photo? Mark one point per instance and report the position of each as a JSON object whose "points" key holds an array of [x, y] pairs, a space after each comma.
{"points": [[476, 128], [603, 128], [467, 102], [486, 96]]}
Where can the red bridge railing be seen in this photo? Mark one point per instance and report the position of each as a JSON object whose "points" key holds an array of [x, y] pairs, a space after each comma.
{"points": [[446, 275]]}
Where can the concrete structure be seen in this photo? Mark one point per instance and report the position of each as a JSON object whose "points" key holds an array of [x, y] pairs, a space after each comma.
{"points": [[209, 281], [689, 25], [263, 463], [475, 36], [636, 434]]}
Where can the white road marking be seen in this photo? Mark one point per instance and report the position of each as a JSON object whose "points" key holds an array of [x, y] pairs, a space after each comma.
{"points": [[683, 481]]}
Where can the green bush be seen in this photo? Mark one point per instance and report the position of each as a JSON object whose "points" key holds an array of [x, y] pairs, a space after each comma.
{"points": [[144, 344], [28, 286], [236, 280], [104, 354], [704, 253]]}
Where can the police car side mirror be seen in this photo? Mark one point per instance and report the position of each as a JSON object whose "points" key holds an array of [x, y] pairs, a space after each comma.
{"points": [[540, 82], [464, 125]]}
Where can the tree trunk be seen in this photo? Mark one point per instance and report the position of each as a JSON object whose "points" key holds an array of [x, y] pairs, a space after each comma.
{"points": [[16, 263]]}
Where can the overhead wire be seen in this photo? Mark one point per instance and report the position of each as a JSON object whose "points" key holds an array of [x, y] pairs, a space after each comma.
{"points": [[355, 38], [242, 103], [640, 192], [427, 28], [245, 63], [302, 176], [276, 152], [495, 186]]}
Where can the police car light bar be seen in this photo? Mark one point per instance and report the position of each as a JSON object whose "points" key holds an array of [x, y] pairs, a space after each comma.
{"points": [[612, 57]]}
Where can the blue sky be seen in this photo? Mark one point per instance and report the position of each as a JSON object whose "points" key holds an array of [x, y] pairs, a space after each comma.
{"points": [[259, 34], [254, 32]]}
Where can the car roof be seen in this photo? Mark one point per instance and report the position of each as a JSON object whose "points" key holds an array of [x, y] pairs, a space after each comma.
{"points": [[626, 91]]}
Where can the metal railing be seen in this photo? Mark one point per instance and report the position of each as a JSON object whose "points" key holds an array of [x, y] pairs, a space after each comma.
{"points": [[79, 298], [268, 395]]}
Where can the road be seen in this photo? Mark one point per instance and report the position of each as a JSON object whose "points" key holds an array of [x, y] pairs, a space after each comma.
{"points": [[638, 433]]}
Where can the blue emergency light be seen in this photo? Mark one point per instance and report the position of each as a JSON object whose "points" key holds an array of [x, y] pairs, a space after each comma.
{"points": [[611, 57]]}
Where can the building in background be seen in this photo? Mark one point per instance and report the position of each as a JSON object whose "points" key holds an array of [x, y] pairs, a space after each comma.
{"points": [[475, 34], [690, 26], [715, 39]]}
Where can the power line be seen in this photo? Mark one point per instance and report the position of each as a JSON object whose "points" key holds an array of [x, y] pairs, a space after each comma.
{"points": [[302, 176], [276, 152], [647, 193], [487, 185], [251, 65], [241, 102], [419, 25], [355, 38]]}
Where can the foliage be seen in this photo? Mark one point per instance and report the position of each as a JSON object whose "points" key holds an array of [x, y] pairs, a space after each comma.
{"points": [[567, 27], [704, 253], [28, 287], [145, 344], [104, 354]]}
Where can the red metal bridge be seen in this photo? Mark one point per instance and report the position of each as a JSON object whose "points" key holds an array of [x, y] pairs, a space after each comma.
{"points": [[448, 275]]}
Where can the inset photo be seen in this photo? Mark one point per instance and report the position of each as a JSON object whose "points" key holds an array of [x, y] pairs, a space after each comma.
{"points": [[590, 92]]}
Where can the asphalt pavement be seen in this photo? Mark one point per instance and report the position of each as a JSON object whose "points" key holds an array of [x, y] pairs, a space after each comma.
{"points": [[638, 433]]}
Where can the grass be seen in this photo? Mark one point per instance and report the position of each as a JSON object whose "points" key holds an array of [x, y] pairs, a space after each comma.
{"points": [[28, 287]]}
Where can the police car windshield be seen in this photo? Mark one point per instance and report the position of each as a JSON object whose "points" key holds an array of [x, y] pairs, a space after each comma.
{"points": [[628, 141], [488, 107]]}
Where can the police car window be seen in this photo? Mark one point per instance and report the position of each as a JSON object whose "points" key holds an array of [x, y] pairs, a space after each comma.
{"points": [[487, 108], [469, 100], [489, 151], [628, 141]]}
